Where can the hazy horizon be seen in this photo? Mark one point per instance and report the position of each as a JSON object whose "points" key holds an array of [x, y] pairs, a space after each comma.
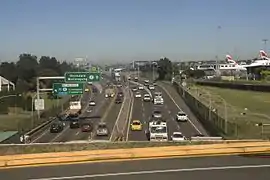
{"points": [[122, 31]]}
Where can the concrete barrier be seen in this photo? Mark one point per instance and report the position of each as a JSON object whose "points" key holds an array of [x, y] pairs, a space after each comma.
{"points": [[94, 155]]}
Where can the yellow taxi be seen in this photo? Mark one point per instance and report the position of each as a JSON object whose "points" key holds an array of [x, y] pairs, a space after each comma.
{"points": [[86, 90], [136, 125]]}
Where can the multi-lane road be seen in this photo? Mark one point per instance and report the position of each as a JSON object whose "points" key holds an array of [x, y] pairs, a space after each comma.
{"points": [[105, 110], [203, 168], [143, 111], [108, 112]]}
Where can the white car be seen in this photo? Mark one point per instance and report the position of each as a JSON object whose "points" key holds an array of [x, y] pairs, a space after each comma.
{"points": [[181, 116], [141, 88], [151, 87], [146, 97], [146, 81], [138, 95], [92, 103], [178, 136], [134, 89]]}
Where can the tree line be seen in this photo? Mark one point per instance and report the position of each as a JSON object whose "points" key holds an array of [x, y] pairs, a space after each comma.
{"points": [[23, 74]]}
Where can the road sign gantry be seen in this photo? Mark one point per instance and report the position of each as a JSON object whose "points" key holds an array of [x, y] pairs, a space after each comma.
{"points": [[81, 77]]}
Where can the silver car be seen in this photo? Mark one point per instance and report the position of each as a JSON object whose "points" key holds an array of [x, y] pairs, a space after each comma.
{"points": [[102, 130]]}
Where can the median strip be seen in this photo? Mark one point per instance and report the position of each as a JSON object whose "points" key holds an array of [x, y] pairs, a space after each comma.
{"points": [[134, 153]]}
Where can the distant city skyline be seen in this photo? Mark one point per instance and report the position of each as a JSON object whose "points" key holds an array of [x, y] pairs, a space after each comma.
{"points": [[122, 31]]}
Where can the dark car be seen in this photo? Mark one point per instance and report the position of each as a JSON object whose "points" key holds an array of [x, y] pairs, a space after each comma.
{"points": [[120, 94], [73, 117], [74, 124], [118, 100], [157, 114], [86, 127], [56, 127], [94, 89]]}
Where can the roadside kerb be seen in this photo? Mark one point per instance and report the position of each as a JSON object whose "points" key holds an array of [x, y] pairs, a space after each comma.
{"points": [[195, 150]]}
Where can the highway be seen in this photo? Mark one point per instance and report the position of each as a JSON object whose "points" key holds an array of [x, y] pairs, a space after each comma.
{"points": [[143, 112], [105, 108], [203, 168]]}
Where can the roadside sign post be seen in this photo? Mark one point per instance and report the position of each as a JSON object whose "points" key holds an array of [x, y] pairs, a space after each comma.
{"points": [[62, 89], [81, 77]]}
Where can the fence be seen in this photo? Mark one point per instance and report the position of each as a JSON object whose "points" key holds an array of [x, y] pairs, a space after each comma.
{"points": [[216, 123]]}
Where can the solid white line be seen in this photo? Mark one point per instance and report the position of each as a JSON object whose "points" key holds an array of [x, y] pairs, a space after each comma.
{"points": [[156, 171], [130, 115], [180, 109], [118, 117]]}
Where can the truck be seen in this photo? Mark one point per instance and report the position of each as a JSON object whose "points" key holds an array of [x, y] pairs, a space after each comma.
{"points": [[75, 107], [158, 130], [109, 92]]}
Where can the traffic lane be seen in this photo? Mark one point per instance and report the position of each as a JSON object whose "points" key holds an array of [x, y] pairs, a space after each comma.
{"points": [[138, 113], [186, 128], [47, 136], [185, 166], [98, 110], [110, 119], [69, 134]]}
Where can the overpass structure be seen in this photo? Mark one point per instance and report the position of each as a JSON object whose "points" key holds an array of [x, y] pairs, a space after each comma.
{"points": [[6, 83]]}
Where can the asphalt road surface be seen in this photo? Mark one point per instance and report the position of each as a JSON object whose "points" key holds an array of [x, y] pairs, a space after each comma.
{"points": [[203, 168], [101, 108], [143, 111]]}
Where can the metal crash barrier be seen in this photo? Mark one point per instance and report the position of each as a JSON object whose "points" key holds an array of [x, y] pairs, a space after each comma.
{"points": [[206, 138]]}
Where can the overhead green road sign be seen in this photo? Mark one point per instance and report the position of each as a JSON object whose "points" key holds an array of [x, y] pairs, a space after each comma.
{"points": [[62, 89], [82, 76]]}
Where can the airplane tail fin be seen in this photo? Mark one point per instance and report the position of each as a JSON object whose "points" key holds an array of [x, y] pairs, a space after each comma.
{"points": [[263, 54], [230, 60]]}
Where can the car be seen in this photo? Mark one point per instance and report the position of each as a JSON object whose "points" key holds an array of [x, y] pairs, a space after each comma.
{"points": [[157, 94], [146, 81], [119, 85], [146, 98], [86, 90], [141, 88], [136, 79], [90, 83], [73, 117], [178, 136], [156, 114], [74, 124], [94, 89], [134, 89], [118, 100], [151, 87], [102, 129], [86, 127], [138, 95], [92, 103], [129, 78], [181, 116], [56, 127], [120, 94], [136, 125]]}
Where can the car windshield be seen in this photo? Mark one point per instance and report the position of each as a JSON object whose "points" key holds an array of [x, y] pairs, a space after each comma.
{"points": [[157, 112], [181, 114], [177, 135], [158, 129], [136, 123], [102, 126]]}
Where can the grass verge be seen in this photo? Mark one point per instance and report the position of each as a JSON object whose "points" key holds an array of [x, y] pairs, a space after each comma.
{"points": [[46, 148], [22, 120], [244, 108]]}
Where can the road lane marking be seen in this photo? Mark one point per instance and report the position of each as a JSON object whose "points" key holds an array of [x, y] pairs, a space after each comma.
{"points": [[77, 133], [156, 171], [45, 132], [117, 119], [180, 109]]}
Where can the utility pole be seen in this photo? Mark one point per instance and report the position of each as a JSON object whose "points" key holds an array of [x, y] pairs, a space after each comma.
{"points": [[265, 44]]}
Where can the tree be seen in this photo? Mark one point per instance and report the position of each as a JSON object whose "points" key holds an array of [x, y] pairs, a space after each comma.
{"points": [[164, 69]]}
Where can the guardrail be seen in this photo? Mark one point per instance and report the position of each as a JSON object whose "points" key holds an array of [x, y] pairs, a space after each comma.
{"points": [[135, 153]]}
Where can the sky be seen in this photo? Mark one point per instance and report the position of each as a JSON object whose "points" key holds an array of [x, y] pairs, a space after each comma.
{"points": [[127, 30]]}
